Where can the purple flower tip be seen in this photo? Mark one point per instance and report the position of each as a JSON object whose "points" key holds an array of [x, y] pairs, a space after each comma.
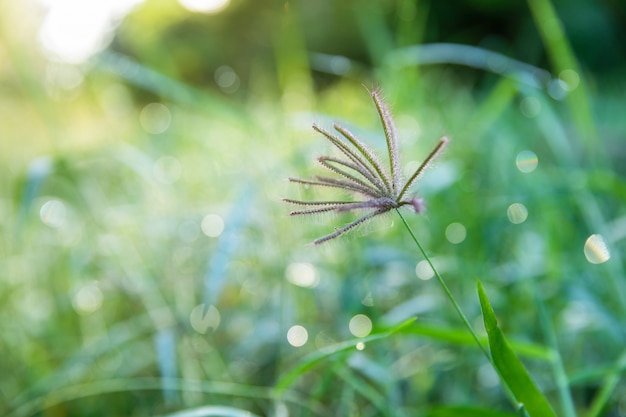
{"points": [[418, 205]]}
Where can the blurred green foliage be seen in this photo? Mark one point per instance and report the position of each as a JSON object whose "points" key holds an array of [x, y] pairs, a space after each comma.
{"points": [[147, 262]]}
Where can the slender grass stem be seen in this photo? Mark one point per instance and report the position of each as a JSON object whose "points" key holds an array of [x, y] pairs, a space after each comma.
{"points": [[458, 309], [443, 284]]}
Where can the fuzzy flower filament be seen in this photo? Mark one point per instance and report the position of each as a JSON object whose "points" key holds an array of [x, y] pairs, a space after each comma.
{"points": [[362, 173]]}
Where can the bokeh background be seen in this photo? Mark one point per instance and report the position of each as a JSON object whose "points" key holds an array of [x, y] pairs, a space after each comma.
{"points": [[149, 267]]}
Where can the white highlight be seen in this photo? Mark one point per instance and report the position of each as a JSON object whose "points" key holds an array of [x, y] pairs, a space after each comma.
{"points": [[297, 336]]}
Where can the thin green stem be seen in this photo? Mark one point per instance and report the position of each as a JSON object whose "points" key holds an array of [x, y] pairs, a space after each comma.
{"points": [[456, 305]]}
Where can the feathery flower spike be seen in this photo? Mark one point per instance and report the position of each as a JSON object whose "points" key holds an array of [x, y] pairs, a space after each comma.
{"points": [[362, 173]]}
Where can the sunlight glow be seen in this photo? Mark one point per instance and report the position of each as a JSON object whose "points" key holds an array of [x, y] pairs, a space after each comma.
{"points": [[204, 6], [74, 30], [596, 250], [297, 336]]}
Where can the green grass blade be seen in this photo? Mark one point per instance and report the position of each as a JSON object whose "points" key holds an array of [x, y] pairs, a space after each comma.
{"points": [[460, 336], [508, 365], [562, 56]]}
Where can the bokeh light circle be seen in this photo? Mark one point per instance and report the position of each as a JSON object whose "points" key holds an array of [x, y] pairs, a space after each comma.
{"points": [[517, 213], [203, 318], [530, 107], [297, 336], [227, 79], [302, 274], [596, 250], [155, 118], [456, 233], [88, 299], [526, 161], [212, 225], [424, 271], [53, 213], [360, 325]]}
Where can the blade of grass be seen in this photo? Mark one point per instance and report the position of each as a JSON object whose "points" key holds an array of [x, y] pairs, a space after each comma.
{"points": [[563, 58], [508, 365], [459, 336], [610, 383]]}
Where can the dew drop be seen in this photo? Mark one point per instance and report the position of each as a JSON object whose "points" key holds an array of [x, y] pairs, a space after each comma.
{"points": [[596, 250]]}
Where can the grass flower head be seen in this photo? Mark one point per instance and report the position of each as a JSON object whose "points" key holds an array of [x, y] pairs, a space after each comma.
{"points": [[361, 173]]}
